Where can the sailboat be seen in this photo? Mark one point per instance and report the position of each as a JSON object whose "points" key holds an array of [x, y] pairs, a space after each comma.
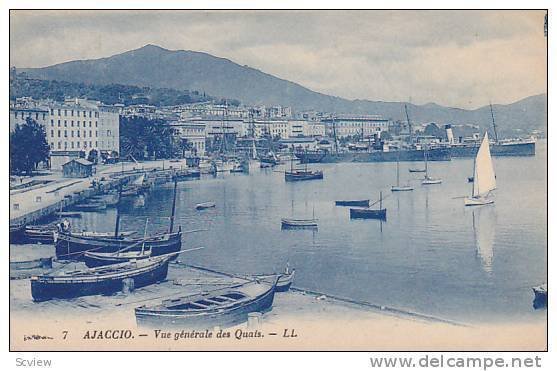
{"points": [[427, 179], [484, 176], [398, 187]]}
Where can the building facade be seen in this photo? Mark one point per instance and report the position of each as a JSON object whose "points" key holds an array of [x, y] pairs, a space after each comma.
{"points": [[194, 134], [365, 126]]}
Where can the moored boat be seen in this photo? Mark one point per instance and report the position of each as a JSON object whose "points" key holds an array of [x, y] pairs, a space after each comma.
{"points": [[40, 233], [90, 206], [369, 213], [362, 203], [104, 280], [205, 205], [298, 223], [484, 177], [224, 307]]}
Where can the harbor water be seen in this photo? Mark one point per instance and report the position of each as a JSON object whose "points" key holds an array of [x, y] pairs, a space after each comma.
{"points": [[432, 255]]}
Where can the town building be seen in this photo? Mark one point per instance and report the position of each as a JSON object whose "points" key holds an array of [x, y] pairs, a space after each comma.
{"points": [[77, 168], [18, 115], [192, 133], [365, 126]]}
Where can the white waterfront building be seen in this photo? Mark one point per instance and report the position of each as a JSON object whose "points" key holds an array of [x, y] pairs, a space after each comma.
{"points": [[350, 125], [194, 133]]}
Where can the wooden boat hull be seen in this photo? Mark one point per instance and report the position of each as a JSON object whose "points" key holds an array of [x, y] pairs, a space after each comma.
{"points": [[42, 235], [362, 203], [90, 207], [431, 181], [298, 223], [93, 260], [45, 288], [368, 214], [294, 177], [44, 263], [471, 201], [224, 317], [71, 247], [401, 189], [205, 206], [416, 170]]}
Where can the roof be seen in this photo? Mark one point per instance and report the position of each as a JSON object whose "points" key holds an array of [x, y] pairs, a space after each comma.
{"points": [[81, 161]]}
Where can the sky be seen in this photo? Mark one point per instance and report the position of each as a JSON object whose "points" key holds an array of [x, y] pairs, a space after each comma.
{"points": [[462, 59]]}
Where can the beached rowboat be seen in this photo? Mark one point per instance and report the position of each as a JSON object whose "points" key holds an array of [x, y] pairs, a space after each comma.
{"points": [[225, 307], [103, 280]]}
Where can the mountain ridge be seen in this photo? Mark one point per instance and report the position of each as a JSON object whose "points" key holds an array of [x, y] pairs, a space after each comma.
{"points": [[155, 66]]}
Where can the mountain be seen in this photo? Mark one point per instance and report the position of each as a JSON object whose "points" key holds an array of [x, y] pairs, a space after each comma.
{"points": [[157, 67]]}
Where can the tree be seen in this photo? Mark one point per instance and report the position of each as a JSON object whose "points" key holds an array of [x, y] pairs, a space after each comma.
{"points": [[143, 138], [93, 156], [28, 147]]}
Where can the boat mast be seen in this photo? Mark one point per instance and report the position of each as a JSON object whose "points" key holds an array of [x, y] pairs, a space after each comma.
{"points": [[335, 134], [173, 206], [409, 124], [380, 200], [474, 175], [398, 169], [493, 122], [144, 236], [425, 159], [117, 227]]}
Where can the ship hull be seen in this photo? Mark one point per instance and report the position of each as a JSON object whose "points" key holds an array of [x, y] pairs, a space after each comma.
{"points": [[434, 154], [512, 149]]}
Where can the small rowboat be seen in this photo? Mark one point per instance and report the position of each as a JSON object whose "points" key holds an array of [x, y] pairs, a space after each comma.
{"points": [[284, 279], [540, 296], [91, 206], [31, 264], [416, 170], [102, 280], [362, 203], [205, 205], [225, 307], [298, 223], [366, 213], [68, 214], [98, 259], [40, 233], [298, 175]]}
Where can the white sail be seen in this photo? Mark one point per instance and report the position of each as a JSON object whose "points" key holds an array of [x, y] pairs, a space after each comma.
{"points": [[484, 175]]}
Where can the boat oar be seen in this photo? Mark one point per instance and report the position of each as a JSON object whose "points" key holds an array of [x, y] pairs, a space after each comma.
{"points": [[179, 252]]}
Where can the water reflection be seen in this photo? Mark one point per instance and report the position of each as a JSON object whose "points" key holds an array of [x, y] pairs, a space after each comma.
{"points": [[484, 222]]}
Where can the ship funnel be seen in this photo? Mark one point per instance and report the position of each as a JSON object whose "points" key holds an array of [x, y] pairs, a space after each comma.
{"points": [[450, 136]]}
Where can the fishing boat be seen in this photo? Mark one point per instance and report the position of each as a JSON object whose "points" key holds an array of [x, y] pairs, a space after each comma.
{"points": [[44, 263], [90, 206], [70, 245], [284, 279], [361, 203], [369, 213], [427, 179], [287, 223], [484, 177], [133, 189], [398, 187], [205, 205], [104, 280], [68, 214], [224, 307], [301, 174], [40, 233]]}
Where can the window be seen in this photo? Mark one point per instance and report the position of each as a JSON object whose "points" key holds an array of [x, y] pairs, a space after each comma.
{"points": [[72, 112], [52, 133], [72, 144], [52, 111], [78, 124], [78, 133], [59, 112], [90, 113], [51, 145], [58, 123], [90, 123], [96, 124], [84, 133], [65, 145], [78, 113], [96, 133], [72, 123], [65, 133], [72, 134], [90, 133], [77, 144], [51, 122], [36, 116], [59, 145], [59, 135], [96, 144], [65, 112], [90, 144], [65, 123], [84, 114]]}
